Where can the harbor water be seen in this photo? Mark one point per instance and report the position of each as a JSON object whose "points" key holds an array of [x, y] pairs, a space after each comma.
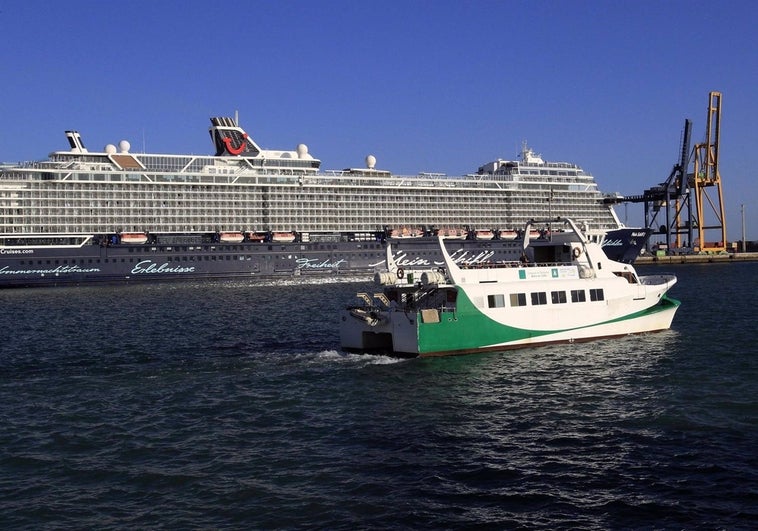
{"points": [[229, 405]]}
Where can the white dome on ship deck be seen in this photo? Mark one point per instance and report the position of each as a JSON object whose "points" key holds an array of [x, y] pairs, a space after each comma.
{"points": [[110, 149], [302, 152], [370, 162], [124, 146]]}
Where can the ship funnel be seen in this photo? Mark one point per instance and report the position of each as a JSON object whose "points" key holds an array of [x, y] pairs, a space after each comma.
{"points": [[230, 139], [75, 141]]}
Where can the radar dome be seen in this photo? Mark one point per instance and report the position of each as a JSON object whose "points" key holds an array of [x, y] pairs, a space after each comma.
{"points": [[370, 162], [302, 151], [124, 146], [110, 149]]}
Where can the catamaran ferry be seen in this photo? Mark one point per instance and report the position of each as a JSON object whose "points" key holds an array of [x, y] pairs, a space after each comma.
{"points": [[563, 289], [83, 217]]}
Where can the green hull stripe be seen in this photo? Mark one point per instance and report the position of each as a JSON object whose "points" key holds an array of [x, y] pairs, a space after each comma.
{"points": [[468, 328]]}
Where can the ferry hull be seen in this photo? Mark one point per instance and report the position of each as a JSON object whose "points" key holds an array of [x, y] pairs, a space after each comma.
{"points": [[655, 319], [448, 333]]}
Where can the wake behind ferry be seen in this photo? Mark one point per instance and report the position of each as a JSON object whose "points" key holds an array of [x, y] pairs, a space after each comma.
{"points": [[83, 217]]}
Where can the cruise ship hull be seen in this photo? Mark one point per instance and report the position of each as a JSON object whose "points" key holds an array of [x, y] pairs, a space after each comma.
{"points": [[156, 262], [151, 263]]}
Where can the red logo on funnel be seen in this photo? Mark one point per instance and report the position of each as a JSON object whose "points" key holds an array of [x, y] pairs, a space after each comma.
{"points": [[235, 150]]}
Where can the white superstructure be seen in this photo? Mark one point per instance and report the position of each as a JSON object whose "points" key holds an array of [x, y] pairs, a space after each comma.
{"points": [[245, 188]]}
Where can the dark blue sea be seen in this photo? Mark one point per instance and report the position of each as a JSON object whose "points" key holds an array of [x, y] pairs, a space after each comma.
{"points": [[229, 405]]}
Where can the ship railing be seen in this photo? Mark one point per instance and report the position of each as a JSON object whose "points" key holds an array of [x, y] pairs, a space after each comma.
{"points": [[493, 265], [336, 177], [42, 241], [31, 165], [504, 264]]}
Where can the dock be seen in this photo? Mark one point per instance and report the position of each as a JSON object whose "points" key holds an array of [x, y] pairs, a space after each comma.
{"points": [[696, 259]]}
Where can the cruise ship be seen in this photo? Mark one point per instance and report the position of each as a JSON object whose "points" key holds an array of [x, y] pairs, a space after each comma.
{"points": [[82, 217]]}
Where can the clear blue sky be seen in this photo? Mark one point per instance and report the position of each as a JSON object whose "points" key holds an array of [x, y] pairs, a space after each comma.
{"points": [[422, 85]]}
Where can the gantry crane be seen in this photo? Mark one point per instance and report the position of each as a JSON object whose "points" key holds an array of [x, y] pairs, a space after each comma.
{"points": [[674, 192], [706, 176], [674, 196]]}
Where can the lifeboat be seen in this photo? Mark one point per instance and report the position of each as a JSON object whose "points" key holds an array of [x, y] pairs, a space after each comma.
{"points": [[406, 232], [283, 237], [256, 236], [454, 233], [508, 235], [485, 234], [133, 237], [231, 237]]}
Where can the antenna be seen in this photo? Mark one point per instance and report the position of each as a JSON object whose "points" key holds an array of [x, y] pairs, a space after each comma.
{"points": [[236, 118]]}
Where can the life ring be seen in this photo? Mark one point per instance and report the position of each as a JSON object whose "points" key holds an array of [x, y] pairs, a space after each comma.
{"points": [[577, 252], [400, 273]]}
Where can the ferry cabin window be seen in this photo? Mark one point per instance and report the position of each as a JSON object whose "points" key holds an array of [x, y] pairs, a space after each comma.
{"points": [[596, 295], [518, 299], [558, 297], [577, 295], [496, 301], [627, 275], [539, 298]]}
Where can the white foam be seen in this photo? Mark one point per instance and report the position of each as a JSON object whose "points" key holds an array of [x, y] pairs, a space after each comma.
{"points": [[366, 359]]}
